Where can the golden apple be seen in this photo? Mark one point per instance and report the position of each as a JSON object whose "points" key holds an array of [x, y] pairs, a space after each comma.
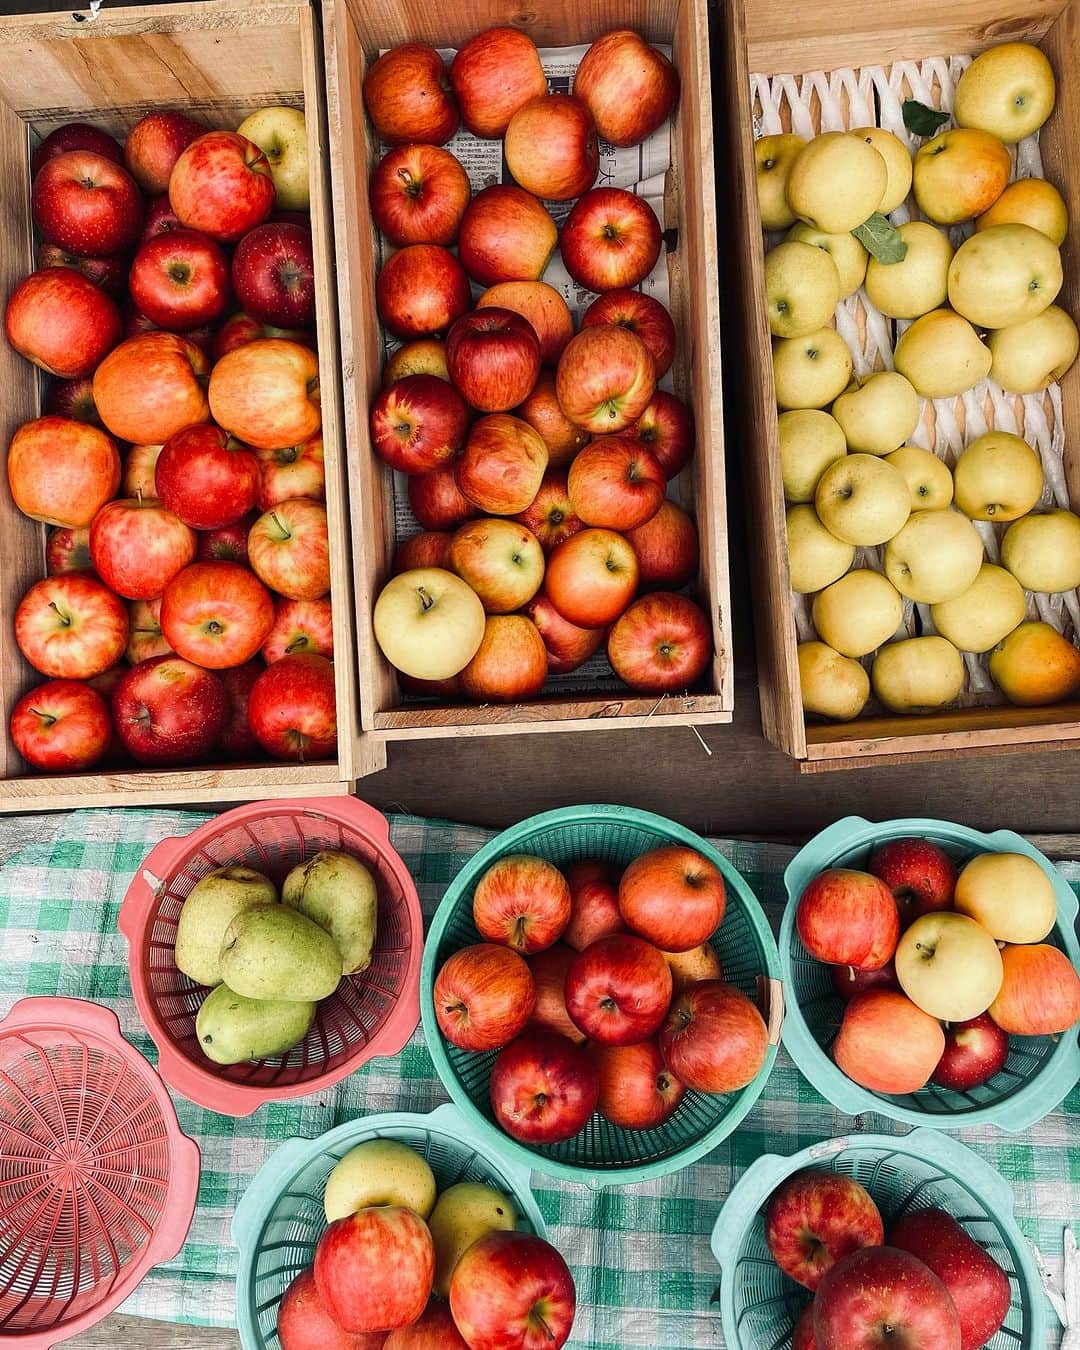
{"points": [[897, 159], [998, 477], [833, 686], [856, 614], [809, 372], [980, 617], [1034, 665], [429, 623], [281, 133], [928, 478], [936, 556], [1026, 357], [1030, 201], [918, 675], [878, 412], [919, 282], [941, 355], [1043, 551], [1007, 90], [960, 174], [810, 440], [815, 557], [836, 182], [949, 966], [1009, 895], [802, 289], [773, 158], [862, 500], [845, 250], [1004, 275]]}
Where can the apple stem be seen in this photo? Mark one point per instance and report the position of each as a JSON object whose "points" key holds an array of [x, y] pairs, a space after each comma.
{"points": [[47, 718], [297, 644], [547, 1330], [277, 521], [425, 599], [65, 619]]}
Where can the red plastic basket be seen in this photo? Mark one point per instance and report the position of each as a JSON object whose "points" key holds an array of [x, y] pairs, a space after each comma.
{"points": [[97, 1181], [371, 1013]]}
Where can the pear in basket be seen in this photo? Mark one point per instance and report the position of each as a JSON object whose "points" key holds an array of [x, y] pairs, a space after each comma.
{"points": [[212, 905], [274, 952], [338, 893], [232, 1029]]}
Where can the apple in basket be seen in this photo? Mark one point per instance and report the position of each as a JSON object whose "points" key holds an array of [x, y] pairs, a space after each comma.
{"points": [[435, 1329], [543, 306], [523, 902], [543, 1088], [881, 1296], [217, 614], [374, 1270], [921, 876], [494, 74], [513, 1290], [551, 148], [673, 896], [292, 708], [549, 969], [637, 1089], [266, 393], [814, 1218], [304, 1324], [714, 1038], [974, 1052], [484, 996], [1040, 992], [641, 314], [619, 989], [848, 918], [847, 981], [594, 902]]}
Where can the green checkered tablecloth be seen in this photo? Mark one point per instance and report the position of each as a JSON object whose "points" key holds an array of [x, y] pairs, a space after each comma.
{"points": [[640, 1254]]}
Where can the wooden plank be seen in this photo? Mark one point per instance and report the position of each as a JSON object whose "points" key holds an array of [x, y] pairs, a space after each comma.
{"points": [[141, 1333]]}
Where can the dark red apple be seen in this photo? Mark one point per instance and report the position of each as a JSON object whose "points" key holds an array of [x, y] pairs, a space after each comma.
{"points": [[293, 709], [437, 502], [180, 280], [229, 543], [879, 1298], [168, 711], [665, 428], [847, 981], [87, 203], [619, 989], [110, 272], [543, 1088], [661, 644], [74, 399], [493, 356], [974, 1052], [159, 219], [921, 876], [814, 1218], [714, 1038], [76, 136], [512, 1291], [273, 275], [418, 423], [207, 477], [637, 1089], [68, 551], [484, 996], [237, 740], [802, 1337]]}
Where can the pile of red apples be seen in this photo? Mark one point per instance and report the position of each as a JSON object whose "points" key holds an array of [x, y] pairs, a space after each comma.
{"points": [[538, 459], [928, 1285], [599, 991], [937, 966], [185, 615]]}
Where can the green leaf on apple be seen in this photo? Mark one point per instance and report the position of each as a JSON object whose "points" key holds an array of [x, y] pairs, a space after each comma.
{"points": [[881, 239], [921, 120]]}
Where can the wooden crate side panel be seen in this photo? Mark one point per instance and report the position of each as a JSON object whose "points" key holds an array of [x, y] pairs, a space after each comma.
{"points": [[697, 711]]}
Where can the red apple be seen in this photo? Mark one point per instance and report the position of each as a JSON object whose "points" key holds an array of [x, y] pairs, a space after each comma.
{"points": [[109, 273], [921, 876], [618, 990], [523, 902], [153, 146], [1040, 994], [615, 484], [421, 290], [550, 516], [815, 1218], [422, 356], [418, 423], [62, 322], [374, 1270], [661, 644], [237, 740], [847, 981], [216, 614], [159, 219], [974, 1052], [293, 708], [68, 552], [886, 1044], [221, 185], [62, 726], [493, 356], [551, 147], [802, 1335], [151, 386], [61, 471], [304, 1324], [206, 477], [605, 379], [673, 896], [74, 399], [667, 429], [506, 235], [568, 646], [591, 577], [429, 548], [629, 87], [848, 918], [145, 639], [610, 240], [643, 316], [500, 560], [418, 195], [714, 1039], [433, 1330], [667, 548], [880, 1297], [240, 329], [408, 97], [273, 274], [228, 543], [180, 280], [594, 903], [977, 1285], [300, 626], [510, 664], [138, 547], [267, 393], [71, 627], [289, 549], [637, 1089], [168, 711], [544, 1088], [290, 472], [543, 307], [512, 1291], [494, 74], [699, 963], [136, 323], [484, 996], [544, 414], [548, 970], [437, 502], [87, 203], [75, 136], [502, 466]]}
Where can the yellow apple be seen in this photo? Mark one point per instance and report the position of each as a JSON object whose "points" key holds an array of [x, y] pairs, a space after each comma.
{"points": [[862, 500], [936, 556], [810, 440], [878, 412], [919, 282], [833, 686], [998, 477], [429, 623], [802, 289], [379, 1172], [949, 966], [928, 478], [1007, 90], [815, 557], [1035, 666], [1026, 357], [980, 617], [1009, 895], [1030, 201], [897, 159], [1043, 551], [809, 372], [845, 250], [281, 133], [1004, 275], [941, 355], [918, 675], [773, 158], [960, 174], [856, 614], [836, 182]]}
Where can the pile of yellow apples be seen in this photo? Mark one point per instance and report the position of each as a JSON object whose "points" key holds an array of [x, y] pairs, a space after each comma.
{"points": [[969, 284]]}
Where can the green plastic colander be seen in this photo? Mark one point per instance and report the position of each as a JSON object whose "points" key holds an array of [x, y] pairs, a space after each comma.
{"points": [[603, 1154]]}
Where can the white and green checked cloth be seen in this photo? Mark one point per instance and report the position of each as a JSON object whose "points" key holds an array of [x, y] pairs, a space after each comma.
{"points": [[640, 1254]]}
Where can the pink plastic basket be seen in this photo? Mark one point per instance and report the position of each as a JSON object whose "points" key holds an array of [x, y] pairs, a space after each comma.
{"points": [[97, 1181], [372, 1013]]}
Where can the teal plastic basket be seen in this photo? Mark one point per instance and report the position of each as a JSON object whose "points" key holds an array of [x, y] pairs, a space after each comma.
{"points": [[921, 1170], [603, 1154], [1039, 1071], [280, 1217]]}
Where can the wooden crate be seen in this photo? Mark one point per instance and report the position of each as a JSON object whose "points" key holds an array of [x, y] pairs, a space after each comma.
{"points": [[774, 37], [354, 33], [219, 60]]}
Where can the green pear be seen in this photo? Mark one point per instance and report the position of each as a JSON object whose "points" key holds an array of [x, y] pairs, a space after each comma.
{"points": [[462, 1215], [212, 905], [231, 1028], [337, 892], [274, 952], [380, 1172]]}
